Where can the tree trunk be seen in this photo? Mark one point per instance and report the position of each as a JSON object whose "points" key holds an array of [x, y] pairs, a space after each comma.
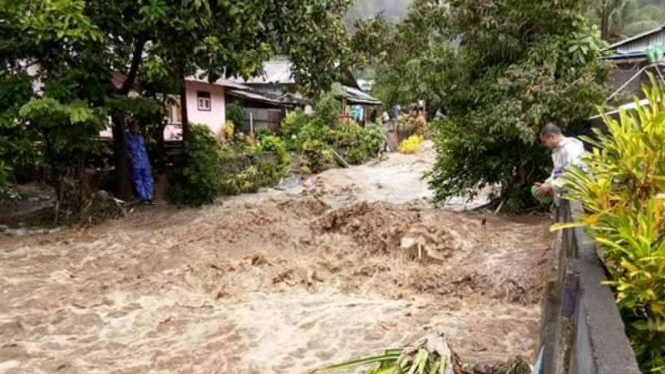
{"points": [[123, 188], [605, 23], [161, 148], [186, 133], [137, 57]]}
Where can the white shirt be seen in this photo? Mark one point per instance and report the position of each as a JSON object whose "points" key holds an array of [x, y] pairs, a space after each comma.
{"points": [[568, 152]]}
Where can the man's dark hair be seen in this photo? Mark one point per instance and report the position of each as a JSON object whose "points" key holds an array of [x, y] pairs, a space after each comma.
{"points": [[550, 128]]}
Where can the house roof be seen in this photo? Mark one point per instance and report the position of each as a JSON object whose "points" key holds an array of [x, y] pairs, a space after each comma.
{"points": [[254, 96], [239, 90], [278, 71], [636, 38], [355, 96], [275, 71], [625, 56]]}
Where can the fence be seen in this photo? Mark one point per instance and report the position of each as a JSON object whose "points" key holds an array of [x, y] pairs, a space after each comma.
{"points": [[582, 331]]}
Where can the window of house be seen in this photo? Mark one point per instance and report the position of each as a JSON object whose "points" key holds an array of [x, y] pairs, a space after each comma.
{"points": [[203, 100]]}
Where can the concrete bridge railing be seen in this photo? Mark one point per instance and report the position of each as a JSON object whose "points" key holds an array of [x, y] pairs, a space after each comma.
{"points": [[582, 331]]}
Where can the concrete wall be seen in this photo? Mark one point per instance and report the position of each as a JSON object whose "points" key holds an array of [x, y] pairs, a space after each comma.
{"points": [[216, 117], [582, 331]]}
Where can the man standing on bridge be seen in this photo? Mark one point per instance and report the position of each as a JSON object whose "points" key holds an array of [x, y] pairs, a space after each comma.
{"points": [[565, 152]]}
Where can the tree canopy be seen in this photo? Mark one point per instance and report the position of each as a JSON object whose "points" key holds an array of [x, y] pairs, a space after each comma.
{"points": [[500, 69], [68, 51]]}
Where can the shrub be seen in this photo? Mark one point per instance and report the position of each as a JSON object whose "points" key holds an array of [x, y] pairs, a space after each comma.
{"points": [[272, 143], [347, 141], [326, 109], [247, 173], [373, 137], [234, 113], [263, 132], [7, 190], [411, 145], [292, 123], [625, 205], [313, 130], [196, 181], [318, 156], [354, 143]]}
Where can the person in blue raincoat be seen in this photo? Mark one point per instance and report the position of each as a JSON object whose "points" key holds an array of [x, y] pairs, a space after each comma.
{"points": [[139, 164]]}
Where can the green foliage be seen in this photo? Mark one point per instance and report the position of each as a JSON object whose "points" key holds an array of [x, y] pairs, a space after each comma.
{"points": [[622, 193], [7, 190], [291, 125], [197, 181], [317, 135], [326, 110], [354, 143], [17, 150], [79, 45], [246, 169], [68, 130], [430, 355], [67, 137], [504, 84], [272, 143], [318, 156], [147, 113], [249, 172], [234, 113]]}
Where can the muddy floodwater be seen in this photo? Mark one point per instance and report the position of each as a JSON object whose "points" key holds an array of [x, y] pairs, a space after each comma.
{"points": [[283, 281]]}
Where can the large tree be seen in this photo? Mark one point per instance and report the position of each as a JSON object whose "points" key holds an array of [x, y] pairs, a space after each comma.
{"points": [[501, 69], [524, 63], [83, 43], [612, 16]]}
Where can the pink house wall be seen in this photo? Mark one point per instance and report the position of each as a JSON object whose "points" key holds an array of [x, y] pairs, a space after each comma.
{"points": [[216, 117]]}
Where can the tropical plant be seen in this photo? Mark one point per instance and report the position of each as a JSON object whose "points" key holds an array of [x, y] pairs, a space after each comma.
{"points": [[7, 190], [196, 181], [67, 134], [505, 83], [272, 143], [430, 355], [234, 113], [327, 109], [373, 138], [81, 47], [291, 125], [318, 156], [622, 188]]}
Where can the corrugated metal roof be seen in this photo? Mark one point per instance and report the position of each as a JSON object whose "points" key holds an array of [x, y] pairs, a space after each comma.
{"points": [[220, 82], [247, 95], [639, 42], [275, 71], [355, 96], [625, 56]]}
